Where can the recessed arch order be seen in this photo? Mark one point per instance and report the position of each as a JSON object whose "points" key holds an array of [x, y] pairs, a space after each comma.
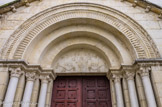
{"points": [[97, 26]]}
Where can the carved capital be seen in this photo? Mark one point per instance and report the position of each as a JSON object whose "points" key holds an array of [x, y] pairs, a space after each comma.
{"points": [[117, 77], [130, 75], [144, 71], [16, 72], [45, 78], [30, 76]]}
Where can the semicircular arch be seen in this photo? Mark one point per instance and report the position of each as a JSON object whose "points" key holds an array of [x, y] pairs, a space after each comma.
{"points": [[135, 34]]}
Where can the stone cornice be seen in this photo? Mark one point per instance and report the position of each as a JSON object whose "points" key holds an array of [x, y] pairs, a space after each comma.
{"points": [[148, 6], [148, 62], [12, 6]]}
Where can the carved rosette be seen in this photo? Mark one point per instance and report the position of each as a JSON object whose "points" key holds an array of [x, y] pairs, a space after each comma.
{"points": [[16, 72], [117, 77], [130, 75], [30, 76], [45, 78], [144, 71]]}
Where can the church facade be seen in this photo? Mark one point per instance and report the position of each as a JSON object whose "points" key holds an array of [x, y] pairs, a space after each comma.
{"points": [[80, 53]]}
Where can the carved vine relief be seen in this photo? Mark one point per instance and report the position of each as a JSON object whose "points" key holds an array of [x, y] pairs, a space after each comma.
{"points": [[81, 60]]}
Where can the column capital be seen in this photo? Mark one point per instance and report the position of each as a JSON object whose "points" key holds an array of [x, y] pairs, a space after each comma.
{"points": [[30, 76], [16, 72], [130, 75], [144, 71], [45, 78], [116, 77]]}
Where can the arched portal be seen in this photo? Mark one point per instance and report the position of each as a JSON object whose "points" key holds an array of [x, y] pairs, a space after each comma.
{"points": [[109, 26], [83, 39]]}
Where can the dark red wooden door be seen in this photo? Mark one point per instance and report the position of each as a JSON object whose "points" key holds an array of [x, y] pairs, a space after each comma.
{"points": [[67, 92], [81, 92], [96, 92]]}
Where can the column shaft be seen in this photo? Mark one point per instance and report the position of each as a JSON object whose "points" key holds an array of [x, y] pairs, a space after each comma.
{"points": [[8, 102], [132, 89], [141, 93], [132, 93], [49, 94], [4, 78], [113, 97], [35, 93], [119, 95], [28, 89], [27, 94], [149, 91], [43, 93], [144, 71], [11, 90], [19, 91], [126, 93]]}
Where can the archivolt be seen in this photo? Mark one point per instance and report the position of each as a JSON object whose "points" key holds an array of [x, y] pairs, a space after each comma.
{"points": [[21, 38]]}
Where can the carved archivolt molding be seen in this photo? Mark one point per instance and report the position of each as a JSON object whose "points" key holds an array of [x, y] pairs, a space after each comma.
{"points": [[137, 36]]}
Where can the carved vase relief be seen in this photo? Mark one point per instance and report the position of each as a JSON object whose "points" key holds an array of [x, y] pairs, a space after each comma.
{"points": [[80, 60]]}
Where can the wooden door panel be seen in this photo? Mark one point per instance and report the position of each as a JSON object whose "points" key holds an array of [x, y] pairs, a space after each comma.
{"points": [[59, 105], [81, 92], [96, 92], [67, 92]]}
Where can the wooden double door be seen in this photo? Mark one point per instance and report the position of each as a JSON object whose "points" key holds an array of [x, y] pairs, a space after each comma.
{"points": [[81, 92]]}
